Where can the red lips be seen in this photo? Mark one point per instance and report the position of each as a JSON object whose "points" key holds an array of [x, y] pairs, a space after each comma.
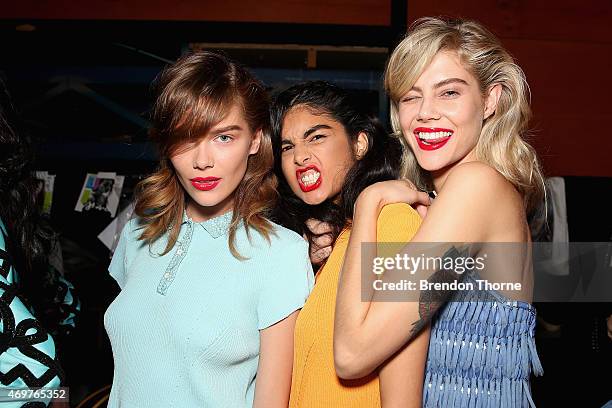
{"points": [[432, 144], [205, 183], [306, 188]]}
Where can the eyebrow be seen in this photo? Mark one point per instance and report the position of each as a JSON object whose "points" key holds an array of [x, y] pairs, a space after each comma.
{"points": [[309, 132], [444, 83], [225, 129]]}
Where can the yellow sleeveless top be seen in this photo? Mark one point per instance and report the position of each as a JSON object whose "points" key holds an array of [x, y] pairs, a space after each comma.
{"points": [[314, 383]]}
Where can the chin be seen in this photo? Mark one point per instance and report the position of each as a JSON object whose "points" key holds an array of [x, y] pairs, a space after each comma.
{"points": [[312, 198], [208, 201], [312, 201], [432, 164], [431, 167]]}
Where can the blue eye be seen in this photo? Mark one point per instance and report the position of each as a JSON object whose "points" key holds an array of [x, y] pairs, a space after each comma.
{"points": [[224, 138]]}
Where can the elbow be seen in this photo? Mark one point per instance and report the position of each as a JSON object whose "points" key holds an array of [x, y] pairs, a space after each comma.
{"points": [[349, 364]]}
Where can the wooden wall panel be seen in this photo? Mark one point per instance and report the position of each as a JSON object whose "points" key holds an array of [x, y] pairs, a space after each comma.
{"points": [[564, 46], [565, 49], [357, 12], [563, 20]]}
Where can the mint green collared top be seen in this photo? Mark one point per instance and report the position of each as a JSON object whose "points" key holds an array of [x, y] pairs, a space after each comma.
{"points": [[185, 327]]}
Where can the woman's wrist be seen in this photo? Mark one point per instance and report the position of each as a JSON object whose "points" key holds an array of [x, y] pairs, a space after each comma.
{"points": [[369, 201]]}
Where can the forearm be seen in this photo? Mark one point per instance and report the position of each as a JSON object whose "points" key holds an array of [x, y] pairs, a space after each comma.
{"points": [[359, 346], [275, 365], [270, 397], [368, 332], [351, 312], [402, 376]]}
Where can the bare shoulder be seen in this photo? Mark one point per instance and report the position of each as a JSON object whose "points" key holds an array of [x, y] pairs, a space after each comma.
{"points": [[475, 204], [481, 182], [477, 175]]}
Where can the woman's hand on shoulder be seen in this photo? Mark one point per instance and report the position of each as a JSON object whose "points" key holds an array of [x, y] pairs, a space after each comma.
{"points": [[320, 246], [392, 191]]}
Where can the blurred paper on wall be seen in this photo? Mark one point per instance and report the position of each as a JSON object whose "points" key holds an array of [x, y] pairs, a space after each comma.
{"points": [[46, 190], [100, 192]]}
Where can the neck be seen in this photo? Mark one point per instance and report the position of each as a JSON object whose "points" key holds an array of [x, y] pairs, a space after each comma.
{"points": [[200, 213], [439, 176]]}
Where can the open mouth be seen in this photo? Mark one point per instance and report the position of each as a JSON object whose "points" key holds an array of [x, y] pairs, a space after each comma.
{"points": [[432, 138], [309, 178]]}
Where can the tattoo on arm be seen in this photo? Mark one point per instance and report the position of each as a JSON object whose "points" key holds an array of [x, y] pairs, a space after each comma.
{"points": [[430, 301]]}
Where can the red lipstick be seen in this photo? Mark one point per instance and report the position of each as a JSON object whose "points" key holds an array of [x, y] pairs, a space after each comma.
{"points": [[306, 188], [205, 183], [432, 143]]}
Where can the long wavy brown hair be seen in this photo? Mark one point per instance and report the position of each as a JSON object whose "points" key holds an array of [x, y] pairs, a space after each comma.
{"points": [[193, 95]]}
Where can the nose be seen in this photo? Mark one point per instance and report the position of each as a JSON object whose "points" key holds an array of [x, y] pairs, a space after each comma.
{"points": [[428, 110], [301, 154], [202, 157]]}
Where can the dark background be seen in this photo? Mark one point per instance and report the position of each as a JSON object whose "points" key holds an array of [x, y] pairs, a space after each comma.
{"points": [[80, 73]]}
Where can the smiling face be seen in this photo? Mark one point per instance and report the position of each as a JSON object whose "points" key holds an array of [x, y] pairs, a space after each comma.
{"points": [[316, 155], [442, 115], [211, 168]]}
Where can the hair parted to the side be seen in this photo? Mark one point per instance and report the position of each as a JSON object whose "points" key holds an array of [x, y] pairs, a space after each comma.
{"points": [[193, 95], [380, 162], [502, 142]]}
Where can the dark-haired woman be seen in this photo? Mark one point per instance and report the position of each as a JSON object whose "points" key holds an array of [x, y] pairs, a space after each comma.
{"points": [[327, 151], [210, 287], [29, 310]]}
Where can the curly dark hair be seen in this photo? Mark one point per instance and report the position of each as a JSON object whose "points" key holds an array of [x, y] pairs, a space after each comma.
{"points": [[29, 236], [381, 162]]}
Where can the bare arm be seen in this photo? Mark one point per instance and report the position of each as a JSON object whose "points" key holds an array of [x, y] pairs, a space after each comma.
{"points": [[467, 211], [275, 364], [402, 377]]}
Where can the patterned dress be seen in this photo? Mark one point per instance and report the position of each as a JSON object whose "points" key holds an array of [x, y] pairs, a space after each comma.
{"points": [[481, 352], [27, 351]]}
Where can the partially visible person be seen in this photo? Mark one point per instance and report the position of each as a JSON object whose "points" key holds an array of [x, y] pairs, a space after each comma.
{"points": [[327, 151], [31, 306], [460, 103], [210, 288]]}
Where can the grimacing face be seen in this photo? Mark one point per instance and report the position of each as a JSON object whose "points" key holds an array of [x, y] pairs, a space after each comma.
{"points": [[442, 115], [316, 154], [211, 169]]}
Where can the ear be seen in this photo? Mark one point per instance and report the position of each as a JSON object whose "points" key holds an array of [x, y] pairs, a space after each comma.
{"points": [[255, 142], [361, 145], [491, 100]]}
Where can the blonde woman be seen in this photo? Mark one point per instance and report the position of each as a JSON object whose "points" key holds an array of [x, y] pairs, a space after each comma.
{"points": [[210, 288], [460, 104]]}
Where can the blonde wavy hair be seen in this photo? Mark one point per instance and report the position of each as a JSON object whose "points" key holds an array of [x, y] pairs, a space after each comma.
{"points": [[502, 142], [193, 95]]}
